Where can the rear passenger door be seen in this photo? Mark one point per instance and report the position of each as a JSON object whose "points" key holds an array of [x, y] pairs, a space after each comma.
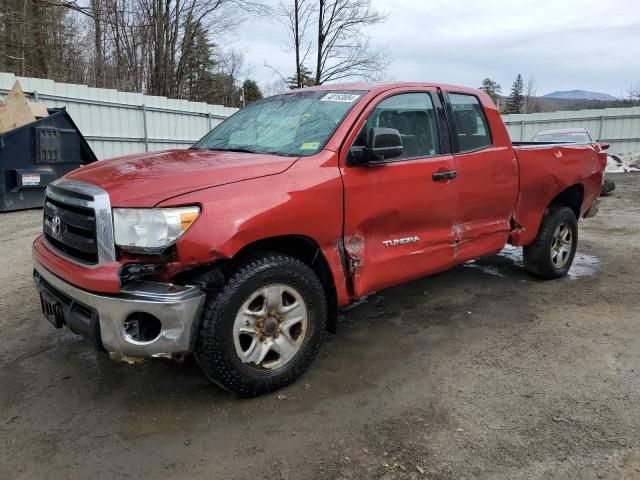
{"points": [[399, 214], [487, 179]]}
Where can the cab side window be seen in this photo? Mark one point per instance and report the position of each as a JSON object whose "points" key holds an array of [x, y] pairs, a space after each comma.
{"points": [[414, 116], [471, 124]]}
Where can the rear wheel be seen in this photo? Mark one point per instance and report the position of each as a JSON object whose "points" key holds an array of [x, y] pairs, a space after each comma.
{"points": [[263, 328], [552, 252]]}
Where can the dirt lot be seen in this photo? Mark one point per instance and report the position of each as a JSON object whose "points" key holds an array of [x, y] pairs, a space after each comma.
{"points": [[480, 372]]}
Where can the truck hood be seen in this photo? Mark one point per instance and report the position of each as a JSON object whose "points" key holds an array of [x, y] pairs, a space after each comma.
{"points": [[146, 179]]}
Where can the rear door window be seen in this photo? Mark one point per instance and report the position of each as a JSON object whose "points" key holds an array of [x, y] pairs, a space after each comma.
{"points": [[470, 122]]}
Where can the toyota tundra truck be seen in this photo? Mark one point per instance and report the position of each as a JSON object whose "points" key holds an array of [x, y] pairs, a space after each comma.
{"points": [[241, 249]]}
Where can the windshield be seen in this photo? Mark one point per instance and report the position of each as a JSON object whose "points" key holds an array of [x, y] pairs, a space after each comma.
{"points": [[295, 124], [566, 137]]}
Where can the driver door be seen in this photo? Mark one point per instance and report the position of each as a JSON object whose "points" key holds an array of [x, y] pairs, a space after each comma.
{"points": [[399, 214]]}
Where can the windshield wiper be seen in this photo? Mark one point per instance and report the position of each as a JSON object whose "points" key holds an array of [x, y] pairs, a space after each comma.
{"points": [[241, 150]]}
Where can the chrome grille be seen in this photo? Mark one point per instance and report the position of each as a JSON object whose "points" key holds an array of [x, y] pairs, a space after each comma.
{"points": [[71, 229], [78, 223]]}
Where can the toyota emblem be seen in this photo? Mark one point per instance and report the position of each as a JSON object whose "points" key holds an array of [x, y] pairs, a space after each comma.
{"points": [[56, 226]]}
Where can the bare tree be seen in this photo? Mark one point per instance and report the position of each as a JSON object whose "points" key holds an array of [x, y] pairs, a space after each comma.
{"points": [[37, 38], [275, 87], [161, 47], [343, 50], [298, 15], [96, 12], [634, 92], [530, 103]]}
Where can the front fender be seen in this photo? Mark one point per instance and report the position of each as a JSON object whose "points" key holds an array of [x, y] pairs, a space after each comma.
{"points": [[306, 200]]}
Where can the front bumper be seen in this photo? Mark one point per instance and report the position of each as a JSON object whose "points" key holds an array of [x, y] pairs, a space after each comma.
{"points": [[100, 317]]}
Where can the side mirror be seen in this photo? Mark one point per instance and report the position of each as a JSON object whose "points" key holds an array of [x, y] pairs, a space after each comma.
{"points": [[382, 144], [604, 145]]}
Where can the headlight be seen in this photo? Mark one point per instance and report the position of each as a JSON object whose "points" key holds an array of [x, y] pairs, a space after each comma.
{"points": [[151, 228]]}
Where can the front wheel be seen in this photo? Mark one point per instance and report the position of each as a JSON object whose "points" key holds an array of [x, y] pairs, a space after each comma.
{"points": [[552, 252], [263, 328]]}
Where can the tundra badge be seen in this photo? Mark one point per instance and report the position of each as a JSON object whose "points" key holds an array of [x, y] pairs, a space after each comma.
{"points": [[400, 241]]}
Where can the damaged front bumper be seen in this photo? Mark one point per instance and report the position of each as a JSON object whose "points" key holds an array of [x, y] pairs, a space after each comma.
{"points": [[144, 319]]}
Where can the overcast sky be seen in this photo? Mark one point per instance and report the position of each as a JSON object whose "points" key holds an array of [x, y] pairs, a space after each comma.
{"points": [[565, 44]]}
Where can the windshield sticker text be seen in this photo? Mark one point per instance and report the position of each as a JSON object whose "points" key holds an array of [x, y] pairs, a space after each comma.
{"points": [[340, 97], [310, 146]]}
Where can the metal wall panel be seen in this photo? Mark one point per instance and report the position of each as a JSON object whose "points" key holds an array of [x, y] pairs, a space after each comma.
{"points": [[114, 122], [618, 126]]}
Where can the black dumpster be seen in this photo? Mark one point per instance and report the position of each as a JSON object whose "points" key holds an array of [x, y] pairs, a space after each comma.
{"points": [[34, 155]]}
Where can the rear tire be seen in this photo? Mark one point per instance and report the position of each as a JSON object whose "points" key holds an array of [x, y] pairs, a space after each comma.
{"points": [[551, 254], [263, 328]]}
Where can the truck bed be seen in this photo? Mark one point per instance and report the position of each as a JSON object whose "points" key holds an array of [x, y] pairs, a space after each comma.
{"points": [[534, 145], [545, 170]]}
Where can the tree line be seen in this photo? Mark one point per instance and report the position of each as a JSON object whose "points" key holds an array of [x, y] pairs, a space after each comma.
{"points": [[175, 48], [522, 98]]}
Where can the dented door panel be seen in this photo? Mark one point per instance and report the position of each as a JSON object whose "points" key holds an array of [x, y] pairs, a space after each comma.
{"points": [[398, 216], [488, 177], [398, 222], [487, 192]]}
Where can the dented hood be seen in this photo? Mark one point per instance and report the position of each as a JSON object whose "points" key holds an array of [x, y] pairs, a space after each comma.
{"points": [[146, 179]]}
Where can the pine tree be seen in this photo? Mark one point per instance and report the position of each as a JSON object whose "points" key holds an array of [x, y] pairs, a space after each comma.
{"points": [[252, 92], [305, 77], [516, 98], [491, 88]]}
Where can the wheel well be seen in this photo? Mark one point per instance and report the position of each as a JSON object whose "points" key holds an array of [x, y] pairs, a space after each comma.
{"points": [[307, 251], [570, 197]]}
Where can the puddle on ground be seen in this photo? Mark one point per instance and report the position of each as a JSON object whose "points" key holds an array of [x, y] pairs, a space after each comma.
{"points": [[584, 265], [488, 269], [512, 253]]}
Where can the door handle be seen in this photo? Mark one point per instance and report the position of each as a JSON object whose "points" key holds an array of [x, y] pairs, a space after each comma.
{"points": [[450, 175]]}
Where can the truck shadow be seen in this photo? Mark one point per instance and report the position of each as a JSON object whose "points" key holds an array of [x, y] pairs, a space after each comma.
{"points": [[359, 350], [382, 342]]}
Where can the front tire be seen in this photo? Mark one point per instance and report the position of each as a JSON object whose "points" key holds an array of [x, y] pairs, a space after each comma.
{"points": [[263, 328], [552, 253]]}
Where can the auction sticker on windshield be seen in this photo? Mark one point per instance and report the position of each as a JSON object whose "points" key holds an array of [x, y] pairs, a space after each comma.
{"points": [[310, 146], [340, 97]]}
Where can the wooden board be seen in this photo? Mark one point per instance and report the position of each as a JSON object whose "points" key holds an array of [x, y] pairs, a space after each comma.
{"points": [[38, 109], [16, 111]]}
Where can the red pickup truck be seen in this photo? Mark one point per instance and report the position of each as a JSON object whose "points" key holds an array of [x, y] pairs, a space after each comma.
{"points": [[242, 248]]}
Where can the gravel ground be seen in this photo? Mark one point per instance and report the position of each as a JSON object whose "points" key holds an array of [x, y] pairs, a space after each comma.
{"points": [[479, 372]]}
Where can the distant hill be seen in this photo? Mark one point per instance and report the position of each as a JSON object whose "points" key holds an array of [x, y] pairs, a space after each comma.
{"points": [[580, 95], [553, 104]]}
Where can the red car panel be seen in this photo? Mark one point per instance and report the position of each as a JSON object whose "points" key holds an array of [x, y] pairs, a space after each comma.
{"points": [[145, 179], [397, 201], [547, 171], [102, 278], [487, 188]]}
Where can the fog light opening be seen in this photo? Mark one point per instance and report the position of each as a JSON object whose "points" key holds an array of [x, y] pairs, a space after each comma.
{"points": [[141, 327]]}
